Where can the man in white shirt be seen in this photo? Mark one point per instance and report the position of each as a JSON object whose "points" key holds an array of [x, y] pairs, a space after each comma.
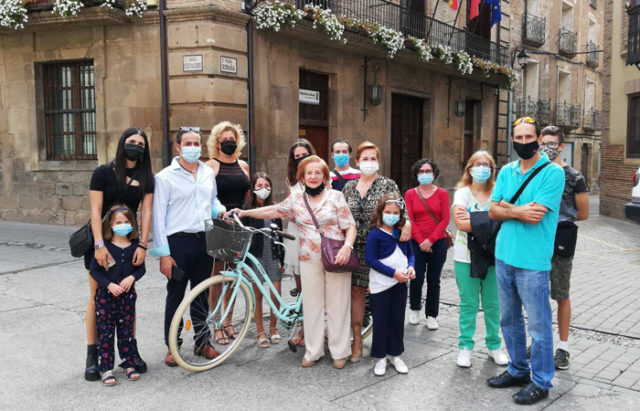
{"points": [[184, 197]]}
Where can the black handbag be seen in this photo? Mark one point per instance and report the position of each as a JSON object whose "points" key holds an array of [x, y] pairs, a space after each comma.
{"points": [[566, 239], [81, 240]]}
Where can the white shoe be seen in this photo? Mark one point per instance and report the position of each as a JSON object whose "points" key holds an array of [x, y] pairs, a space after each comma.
{"points": [[381, 367], [499, 357], [432, 324], [399, 365], [414, 317], [464, 358]]}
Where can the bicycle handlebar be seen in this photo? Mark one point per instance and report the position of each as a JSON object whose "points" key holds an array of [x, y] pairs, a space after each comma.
{"points": [[272, 229]]}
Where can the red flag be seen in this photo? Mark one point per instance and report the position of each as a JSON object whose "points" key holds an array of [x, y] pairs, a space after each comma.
{"points": [[453, 4], [473, 9]]}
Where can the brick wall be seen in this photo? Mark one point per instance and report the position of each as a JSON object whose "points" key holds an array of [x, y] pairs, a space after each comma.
{"points": [[615, 181]]}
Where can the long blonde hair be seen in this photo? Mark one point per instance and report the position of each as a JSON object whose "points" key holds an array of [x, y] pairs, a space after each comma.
{"points": [[466, 178], [216, 133]]}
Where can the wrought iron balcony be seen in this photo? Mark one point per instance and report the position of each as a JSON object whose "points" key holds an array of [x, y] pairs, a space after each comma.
{"points": [[567, 42], [591, 120], [568, 115], [412, 23], [592, 54], [633, 45], [538, 109], [533, 29], [42, 5]]}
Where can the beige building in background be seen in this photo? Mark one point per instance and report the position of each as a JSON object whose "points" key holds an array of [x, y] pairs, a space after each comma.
{"points": [[562, 82], [69, 87]]}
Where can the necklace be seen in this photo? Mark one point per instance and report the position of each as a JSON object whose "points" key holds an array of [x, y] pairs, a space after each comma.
{"points": [[186, 169]]}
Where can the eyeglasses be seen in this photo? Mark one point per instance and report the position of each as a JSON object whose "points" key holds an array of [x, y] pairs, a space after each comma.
{"points": [[425, 172], [551, 144], [482, 165], [528, 120], [399, 202]]}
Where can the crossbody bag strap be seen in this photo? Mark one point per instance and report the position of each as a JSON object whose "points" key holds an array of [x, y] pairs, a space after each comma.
{"points": [[524, 185], [424, 203], [313, 216], [337, 173]]}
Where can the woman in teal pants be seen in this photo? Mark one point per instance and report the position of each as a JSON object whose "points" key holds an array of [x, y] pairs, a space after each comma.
{"points": [[473, 194]]}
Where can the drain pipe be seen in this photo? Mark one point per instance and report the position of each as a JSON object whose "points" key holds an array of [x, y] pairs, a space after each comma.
{"points": [[250, 98], [164, 75]]}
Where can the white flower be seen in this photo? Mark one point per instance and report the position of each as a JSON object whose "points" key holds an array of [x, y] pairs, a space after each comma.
{"points": [[13, 14], [137, 7], [392, 40], [422, 48], [67, 8], [276, 14]]}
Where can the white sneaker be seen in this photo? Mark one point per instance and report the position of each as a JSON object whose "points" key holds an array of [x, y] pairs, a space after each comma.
{"points": [[381, 367], [499, 357], [399, 365], [414, 317], [432, 324], [464, 358]]}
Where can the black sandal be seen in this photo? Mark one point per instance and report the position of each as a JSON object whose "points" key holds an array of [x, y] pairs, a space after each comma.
{"points": [[233, 335], [222, 339], [107, 377], [130, 372]]}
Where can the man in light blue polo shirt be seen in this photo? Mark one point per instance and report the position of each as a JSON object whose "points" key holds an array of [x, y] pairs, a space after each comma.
{"points": [[524, 248]]}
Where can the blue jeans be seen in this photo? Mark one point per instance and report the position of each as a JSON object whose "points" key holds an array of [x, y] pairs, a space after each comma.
{"points": [[518, 287]]}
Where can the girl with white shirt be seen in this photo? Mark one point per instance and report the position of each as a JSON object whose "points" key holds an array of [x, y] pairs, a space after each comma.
{"points": [[392, 266]]}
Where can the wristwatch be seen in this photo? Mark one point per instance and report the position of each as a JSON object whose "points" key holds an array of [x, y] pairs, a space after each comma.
{"points": [[98, 246]]}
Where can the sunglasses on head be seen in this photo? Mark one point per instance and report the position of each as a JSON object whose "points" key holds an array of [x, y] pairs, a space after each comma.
{"points": [[399, 202], [528, 120], [185, 129]]}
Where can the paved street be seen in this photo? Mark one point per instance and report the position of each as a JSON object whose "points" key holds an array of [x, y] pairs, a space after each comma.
{"points": [[43, 292]]}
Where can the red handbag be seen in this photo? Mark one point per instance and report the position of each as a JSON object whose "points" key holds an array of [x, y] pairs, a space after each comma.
{"points": [[330, 248]]}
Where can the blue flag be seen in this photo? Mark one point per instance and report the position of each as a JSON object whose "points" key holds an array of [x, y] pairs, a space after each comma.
{"points": [[496, 14]]}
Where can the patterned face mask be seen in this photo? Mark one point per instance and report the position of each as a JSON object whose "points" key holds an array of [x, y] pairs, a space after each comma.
{"points": [[551, 152]]}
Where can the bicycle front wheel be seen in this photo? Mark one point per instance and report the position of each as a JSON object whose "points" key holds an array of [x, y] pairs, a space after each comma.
{"points": [[202, 312]]}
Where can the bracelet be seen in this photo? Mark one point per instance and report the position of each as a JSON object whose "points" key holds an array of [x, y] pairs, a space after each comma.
{"points": [[144, 247], [348, 245], [144, 243], [99, 242]]}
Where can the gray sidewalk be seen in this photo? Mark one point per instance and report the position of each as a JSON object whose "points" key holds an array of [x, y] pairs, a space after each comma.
{"points": [[43, 293]]}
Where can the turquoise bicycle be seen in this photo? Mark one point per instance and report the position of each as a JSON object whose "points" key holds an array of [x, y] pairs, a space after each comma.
{"points": [[204, 311]]}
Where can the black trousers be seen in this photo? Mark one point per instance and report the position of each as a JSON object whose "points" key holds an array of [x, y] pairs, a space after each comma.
{"points": [[388, 308], [432, 263], [190, 254]]}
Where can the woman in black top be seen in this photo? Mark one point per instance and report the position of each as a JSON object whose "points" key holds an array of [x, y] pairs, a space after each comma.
{"points": [[232, 181], [128, 179]]}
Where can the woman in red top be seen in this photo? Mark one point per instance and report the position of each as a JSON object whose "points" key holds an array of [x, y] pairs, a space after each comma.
{"points": [[428, 238]]}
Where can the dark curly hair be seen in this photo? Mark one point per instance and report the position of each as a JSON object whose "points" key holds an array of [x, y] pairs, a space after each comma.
{"points": [[418, 164]]}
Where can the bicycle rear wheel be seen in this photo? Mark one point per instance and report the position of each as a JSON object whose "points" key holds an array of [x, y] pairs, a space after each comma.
{"points": [[199, 314]]}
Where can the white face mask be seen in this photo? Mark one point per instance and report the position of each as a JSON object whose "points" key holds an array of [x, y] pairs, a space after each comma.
{"points": [[262, 193], [369, 167]]}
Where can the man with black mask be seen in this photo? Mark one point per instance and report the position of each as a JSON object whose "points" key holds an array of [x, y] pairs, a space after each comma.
{"points": [[526, 199]]}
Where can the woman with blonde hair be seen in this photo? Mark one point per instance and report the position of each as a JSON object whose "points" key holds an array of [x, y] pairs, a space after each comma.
{"points": [[232, 181], [474, 261], [323, 292]]}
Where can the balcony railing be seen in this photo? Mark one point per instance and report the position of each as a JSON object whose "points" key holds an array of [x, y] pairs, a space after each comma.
{"points": [[533, 29], [567, 42], [592, 54], [412, 23], [591, 120], [42, 5], [538, 109], [568, 115], [633, 45]]}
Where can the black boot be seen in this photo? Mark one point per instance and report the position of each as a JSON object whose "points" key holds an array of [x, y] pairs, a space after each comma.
{"points": [[140, 366], [91, 372]]}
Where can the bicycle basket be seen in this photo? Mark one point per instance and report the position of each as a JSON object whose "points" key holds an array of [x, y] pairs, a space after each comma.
{"points": [[226, 241]]}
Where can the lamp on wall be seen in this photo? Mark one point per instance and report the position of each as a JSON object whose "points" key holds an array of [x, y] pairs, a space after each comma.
{"points": [[459, 108], [523, 58], [374, 94]]}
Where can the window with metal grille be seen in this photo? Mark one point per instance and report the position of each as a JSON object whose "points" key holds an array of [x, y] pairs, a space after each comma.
{"points": [[70, 110], [633, 127]]}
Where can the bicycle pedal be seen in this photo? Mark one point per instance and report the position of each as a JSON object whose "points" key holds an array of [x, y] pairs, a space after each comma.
{"points": [[294, 292]]}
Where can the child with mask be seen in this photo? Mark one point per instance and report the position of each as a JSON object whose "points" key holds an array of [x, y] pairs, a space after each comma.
{"points": [[269, 254], [473, 195], [392, 266], [116, 295]]}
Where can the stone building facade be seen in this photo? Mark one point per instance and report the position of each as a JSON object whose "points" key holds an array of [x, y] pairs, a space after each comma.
{"points": [[621, 106], [208, 82], [562, 82]]}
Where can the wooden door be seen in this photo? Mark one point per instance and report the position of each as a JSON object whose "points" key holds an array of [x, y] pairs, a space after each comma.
{"points": [[584, 162], [314, 115], [469, 128], [406, 138]]}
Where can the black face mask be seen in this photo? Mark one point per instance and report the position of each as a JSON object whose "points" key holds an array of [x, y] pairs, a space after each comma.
{"points": [[297, 161], [526, 151], [133, 152], [228, 147], [314, 191]]}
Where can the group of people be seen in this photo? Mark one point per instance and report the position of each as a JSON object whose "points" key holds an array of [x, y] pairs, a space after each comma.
{"points": [[503, 251]]}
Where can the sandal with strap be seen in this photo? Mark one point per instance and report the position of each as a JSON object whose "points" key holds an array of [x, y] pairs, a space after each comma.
{"points": [[108, 379], [131, 374], [232, 334], [263, 341], [275, 338], [221, 339]]}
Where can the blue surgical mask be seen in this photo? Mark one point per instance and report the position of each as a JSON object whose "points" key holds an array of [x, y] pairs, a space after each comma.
{"points": [[122, 229], [390, 219], [481, 173], [425, 179], [191, 154], [341, 160]]}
